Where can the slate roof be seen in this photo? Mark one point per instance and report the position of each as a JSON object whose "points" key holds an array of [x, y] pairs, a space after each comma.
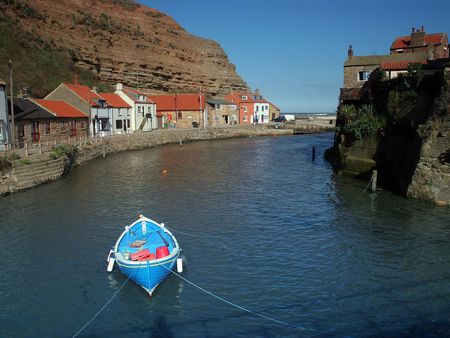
{"points": [[25, 108], [372, 60], [60, 108], [218, 100]]}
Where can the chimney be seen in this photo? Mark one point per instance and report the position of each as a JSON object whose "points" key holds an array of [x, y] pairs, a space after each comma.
{"points": [[257, 95], [119, 87], [418, 37], [350, 51], [76, 77]]}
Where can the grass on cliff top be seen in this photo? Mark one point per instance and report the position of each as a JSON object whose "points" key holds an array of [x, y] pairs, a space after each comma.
{"points": [[38, 66]]}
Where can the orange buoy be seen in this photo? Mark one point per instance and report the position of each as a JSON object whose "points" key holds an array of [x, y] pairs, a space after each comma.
{"points": [[164, 172]]}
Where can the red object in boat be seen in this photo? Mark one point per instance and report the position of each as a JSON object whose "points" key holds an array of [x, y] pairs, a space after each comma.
{"points": [[142, 255], [162, 251]]}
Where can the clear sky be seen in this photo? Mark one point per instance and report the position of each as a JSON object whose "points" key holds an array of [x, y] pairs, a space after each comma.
{"points": [[294, 50]]}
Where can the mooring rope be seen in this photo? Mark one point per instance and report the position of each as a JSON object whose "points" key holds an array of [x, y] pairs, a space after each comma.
{"points": [[238, 306], [102, 308], [184, 233], [370, 181]]}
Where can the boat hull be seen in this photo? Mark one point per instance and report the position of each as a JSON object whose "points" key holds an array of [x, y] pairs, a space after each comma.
{"points": [[148, 274]]}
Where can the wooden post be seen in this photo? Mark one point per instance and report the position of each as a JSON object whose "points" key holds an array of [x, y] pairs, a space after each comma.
{"points": [[181, 143], [313, 153], [40, 147], [26, 148], [374, 180]]}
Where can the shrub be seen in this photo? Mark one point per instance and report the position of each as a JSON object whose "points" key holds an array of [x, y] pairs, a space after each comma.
{"points": [[68, 150], [360, 121]]}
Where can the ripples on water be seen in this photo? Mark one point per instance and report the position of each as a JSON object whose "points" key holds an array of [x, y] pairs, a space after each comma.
{"points": [[269, 229]]}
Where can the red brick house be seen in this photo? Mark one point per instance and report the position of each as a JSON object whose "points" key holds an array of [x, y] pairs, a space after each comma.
{"points": [[245, 104], [181, 110]]}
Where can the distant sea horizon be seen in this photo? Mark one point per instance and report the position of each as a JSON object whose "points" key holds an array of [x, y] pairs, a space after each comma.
{"points": [[310, 113]]}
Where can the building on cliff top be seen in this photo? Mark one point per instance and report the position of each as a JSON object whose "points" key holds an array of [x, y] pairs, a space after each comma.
{"points": [[428, 50]]}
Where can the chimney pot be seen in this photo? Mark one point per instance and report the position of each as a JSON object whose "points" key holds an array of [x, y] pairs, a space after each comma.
{"points": [[119, 87], [350, 51]]}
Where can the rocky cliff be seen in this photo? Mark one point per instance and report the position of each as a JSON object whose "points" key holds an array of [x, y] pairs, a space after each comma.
{"points": [[411, 147], [122, 41]]}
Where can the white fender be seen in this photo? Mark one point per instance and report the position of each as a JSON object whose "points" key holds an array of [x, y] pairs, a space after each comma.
{"points": [[179, 265], [111, 264]]}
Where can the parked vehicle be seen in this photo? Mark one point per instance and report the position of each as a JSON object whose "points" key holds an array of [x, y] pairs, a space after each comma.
{"points": [[279, 119]]}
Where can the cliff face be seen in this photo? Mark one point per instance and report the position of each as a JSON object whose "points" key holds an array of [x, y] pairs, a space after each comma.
{"points": [[121, 41]]}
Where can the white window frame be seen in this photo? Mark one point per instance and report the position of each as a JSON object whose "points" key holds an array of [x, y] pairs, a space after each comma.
{"points": [[363, 73]]}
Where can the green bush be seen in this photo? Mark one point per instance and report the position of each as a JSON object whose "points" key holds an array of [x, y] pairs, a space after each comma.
{"points": [[360, 121], [68, 150]]}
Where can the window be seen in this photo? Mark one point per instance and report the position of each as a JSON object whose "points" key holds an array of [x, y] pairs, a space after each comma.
{"points": [[245, 109], [244, 97], [21, 130], [180, 115], [63, 125], [363, 75], [217, 117], [47, 128], [82, 125], [245, 119], [233, 107], [118, 124], [128, 123], [257, 107]]}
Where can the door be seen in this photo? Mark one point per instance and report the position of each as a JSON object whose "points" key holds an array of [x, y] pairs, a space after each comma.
{"points": [[35, 136], [73, 128]]}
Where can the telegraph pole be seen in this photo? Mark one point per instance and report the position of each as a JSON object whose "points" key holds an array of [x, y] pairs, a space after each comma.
{"points": [[13, 126]]}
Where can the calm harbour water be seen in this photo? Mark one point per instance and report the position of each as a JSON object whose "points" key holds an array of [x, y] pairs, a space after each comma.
{"points": [[268, 229]]}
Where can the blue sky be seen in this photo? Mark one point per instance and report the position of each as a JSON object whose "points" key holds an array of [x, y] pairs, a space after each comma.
{"points": [[294, 50]]}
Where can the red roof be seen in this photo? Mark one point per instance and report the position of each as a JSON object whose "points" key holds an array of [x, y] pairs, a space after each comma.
{"points": [[84, 92], [114, 100], [399, 65], [60, 108], [190, 102], [236, 97], [405, 41]]}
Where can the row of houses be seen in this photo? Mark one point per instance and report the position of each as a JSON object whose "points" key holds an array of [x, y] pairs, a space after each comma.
{"points": [[75, 110]]}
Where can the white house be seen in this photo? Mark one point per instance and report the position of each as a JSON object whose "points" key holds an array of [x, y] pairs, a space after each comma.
{"points": [[120, 113], [3, 116], [143, 110], [261, 108]]}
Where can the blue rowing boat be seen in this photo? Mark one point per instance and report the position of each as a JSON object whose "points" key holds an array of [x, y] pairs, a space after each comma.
{"points": [[146, 253]]}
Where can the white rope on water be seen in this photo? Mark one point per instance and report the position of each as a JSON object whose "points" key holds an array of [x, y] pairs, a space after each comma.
{"points": [[102, 308], [238, 306]]}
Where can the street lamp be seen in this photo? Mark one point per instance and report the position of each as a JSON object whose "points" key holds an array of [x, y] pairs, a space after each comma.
{"points": [[13, 126]]}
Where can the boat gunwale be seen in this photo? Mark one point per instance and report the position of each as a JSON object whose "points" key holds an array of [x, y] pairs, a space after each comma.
{"points": [[154, 262]]}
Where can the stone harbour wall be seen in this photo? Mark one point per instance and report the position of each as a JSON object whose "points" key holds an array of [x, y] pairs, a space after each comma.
{"points": [[36, 169]]}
